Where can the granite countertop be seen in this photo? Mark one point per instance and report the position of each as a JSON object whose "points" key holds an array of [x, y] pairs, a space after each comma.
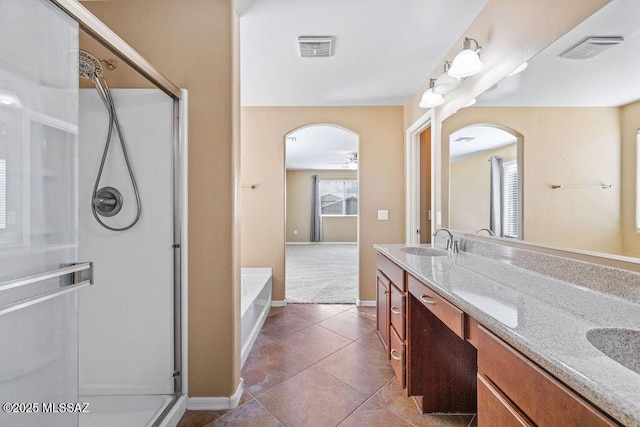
{"points": [[544, 318]]}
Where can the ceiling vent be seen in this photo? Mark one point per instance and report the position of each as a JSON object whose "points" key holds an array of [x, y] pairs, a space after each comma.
{"points": [[464, 139], [591, 47], [315, 46]]}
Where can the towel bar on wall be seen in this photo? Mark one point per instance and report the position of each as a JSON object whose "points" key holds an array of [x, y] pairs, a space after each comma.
{"points": [[603, 186]]}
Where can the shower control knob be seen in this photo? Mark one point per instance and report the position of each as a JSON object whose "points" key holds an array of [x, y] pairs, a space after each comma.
{"points": [[97, 201], [107, 201]]}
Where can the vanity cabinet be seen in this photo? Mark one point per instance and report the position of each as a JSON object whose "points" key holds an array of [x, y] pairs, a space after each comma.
{"points": [[450, 363], [513, 391], [391, 312]]}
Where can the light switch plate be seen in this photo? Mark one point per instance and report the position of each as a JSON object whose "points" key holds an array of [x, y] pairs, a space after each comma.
{"points": [[383, 215]]}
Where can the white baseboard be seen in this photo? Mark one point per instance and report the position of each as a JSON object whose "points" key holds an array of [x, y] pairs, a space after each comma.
{"points": [[321, 243], [278, 303], [216, 403], [365, 303]]}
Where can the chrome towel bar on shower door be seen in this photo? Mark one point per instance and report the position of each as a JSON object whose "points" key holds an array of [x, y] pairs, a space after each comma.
{"points": [[78, 280], [23, 281]]}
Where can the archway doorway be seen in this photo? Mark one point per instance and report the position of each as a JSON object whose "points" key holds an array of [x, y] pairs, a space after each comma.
{"points": [[321, 223], [485, 180]]}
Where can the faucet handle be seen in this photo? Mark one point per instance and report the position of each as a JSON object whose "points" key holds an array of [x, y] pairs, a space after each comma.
{"points": [[455, 246]]}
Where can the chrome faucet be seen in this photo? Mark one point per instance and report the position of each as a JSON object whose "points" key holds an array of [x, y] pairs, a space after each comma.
{"points": [[451, 244], [491, 233]]}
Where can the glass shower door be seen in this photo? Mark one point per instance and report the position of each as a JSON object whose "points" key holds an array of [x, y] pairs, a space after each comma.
{"points": [[38, 215]]}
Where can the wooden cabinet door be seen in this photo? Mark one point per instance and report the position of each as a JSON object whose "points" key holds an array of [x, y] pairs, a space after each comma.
{"points": [[382, 308], [495, 410]]}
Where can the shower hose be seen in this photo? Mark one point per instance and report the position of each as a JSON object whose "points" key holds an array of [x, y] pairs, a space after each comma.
{"points": [[103, 91]]}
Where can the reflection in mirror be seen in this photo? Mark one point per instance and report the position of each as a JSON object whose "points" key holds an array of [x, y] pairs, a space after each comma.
{"points": [[484, 180], [580, 118]]}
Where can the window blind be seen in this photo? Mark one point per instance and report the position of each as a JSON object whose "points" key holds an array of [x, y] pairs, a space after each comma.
{"points": [[510, 199]]}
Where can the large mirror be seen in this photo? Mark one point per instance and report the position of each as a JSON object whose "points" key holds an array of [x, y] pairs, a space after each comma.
{"points": [[576, 108]]}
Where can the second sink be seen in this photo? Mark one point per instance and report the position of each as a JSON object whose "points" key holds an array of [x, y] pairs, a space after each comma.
{"points": [[621, 345]]}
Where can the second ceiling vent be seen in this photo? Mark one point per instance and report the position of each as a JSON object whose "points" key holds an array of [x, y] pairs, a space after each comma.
{"points": [[315, 46]]}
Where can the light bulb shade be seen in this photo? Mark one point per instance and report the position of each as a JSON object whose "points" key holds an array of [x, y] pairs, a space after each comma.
{"points": [[445, 84], [466, 63], [430, 99], [9, 99]]}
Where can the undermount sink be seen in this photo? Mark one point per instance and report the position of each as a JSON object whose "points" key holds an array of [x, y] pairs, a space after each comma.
{"points": [[621, 345], [423, 251]]}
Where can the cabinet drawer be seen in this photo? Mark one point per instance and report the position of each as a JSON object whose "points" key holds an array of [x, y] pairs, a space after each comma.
{"points": [[494, 409], [544, 400], [398, 311], [448, 313], [398, 357], [392, 271]]}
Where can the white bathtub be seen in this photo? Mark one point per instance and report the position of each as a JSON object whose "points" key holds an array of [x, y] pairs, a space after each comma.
{"points": [[255, 304]]}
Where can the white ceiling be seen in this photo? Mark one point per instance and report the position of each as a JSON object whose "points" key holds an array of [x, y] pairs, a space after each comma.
{"points": [[320, 147], [609, 79], [483, 138], [384, 49]]}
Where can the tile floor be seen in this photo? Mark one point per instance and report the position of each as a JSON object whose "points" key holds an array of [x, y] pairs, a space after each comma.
{"points": [[320, 365]]}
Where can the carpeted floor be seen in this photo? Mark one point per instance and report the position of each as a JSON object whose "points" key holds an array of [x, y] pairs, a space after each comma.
{"points": [[323, 274]]}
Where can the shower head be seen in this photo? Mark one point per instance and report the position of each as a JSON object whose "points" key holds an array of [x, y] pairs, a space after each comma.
{"points": [[87, 65]]}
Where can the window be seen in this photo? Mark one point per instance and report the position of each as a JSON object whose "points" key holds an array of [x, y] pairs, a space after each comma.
{"points": [[510, 199], [338, 197]]}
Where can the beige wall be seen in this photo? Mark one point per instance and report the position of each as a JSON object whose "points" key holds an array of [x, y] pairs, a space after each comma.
{"points": [[469, 189], [381, 179], [340, 229], [298, 196], [630, 123], [577, 146], [194, 43]]}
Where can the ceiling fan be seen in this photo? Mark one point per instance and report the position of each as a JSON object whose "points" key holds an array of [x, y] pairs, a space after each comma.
{"points": [[350, 162]]}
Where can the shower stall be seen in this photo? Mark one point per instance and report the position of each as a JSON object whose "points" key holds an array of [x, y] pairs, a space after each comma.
{"points": [[92, 227]]}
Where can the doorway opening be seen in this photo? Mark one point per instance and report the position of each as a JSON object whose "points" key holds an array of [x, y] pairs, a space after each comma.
{"points": [[421, 166], [321, 222]]}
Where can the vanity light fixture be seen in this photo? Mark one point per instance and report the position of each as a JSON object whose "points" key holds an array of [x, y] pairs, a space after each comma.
{"points": [[445, 83], [430, 99], [467, 61]]}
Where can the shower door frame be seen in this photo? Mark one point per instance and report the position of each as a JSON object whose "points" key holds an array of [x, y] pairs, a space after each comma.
{"points": [[91, 25]]}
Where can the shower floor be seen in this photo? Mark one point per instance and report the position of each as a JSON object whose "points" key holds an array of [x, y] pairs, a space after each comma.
{"points": [[122, 410]]}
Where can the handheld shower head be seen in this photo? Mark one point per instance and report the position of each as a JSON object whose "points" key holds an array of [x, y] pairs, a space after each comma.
{"points": [[87, 65]]}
